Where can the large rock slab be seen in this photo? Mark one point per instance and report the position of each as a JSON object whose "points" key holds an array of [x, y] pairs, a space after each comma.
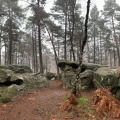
{"points": [[91, 66], [92, 75], [69, 70]]}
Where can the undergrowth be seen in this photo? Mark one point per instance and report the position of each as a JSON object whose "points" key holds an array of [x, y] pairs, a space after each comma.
{"points": [[106, 105], [84, 103], [78, 106]]}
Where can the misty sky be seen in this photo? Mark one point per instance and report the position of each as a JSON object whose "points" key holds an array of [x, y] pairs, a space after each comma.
{"points": [[99, 4], [49, 4]]}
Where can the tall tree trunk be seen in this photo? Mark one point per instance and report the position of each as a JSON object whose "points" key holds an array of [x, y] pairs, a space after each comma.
{"points": [[116, 41], [10, 42], [100, 48], [70, 55], [15, 57], [36, 58], [33, 49], [94, 60], [56, 58], [0, 43], [110, 53], [75, 88], [72, 30], [114, 57], [39, 38], [18, 54], [10, 47], [58, 48], [88, 54], [106, 58], [6, 59], [55, 53], [65, 41]]}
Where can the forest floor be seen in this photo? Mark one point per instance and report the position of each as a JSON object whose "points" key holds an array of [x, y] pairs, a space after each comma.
{"points": [[43, 104]]}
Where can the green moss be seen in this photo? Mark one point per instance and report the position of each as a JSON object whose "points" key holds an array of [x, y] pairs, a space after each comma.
{"points": [[83, 103], [83, 100], [8, 94], [106, 80]]}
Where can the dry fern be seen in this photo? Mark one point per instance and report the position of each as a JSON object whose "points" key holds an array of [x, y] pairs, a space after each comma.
{"points": [[106, 104]]}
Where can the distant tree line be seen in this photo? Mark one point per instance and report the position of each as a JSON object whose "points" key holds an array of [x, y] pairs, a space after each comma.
{"points": [[62, 29]]}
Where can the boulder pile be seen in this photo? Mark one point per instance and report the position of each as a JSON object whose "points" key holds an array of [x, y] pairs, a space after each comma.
{"points": [[91, 76], [15, 80]]}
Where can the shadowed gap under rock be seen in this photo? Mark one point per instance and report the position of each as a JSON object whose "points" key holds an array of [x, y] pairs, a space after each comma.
{"points": [[8, 83]]}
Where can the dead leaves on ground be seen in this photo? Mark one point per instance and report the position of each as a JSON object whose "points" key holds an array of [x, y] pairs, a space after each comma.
{"points": [[107, 107], [106, 104], [71, 105]]}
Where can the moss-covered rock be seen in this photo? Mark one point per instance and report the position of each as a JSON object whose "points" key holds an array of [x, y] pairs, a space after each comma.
{"points": [[29, 82], [17, 68], [35, 81], [91, 66], [69, 69], [15, 79], [7, 75], [86, 78], [7, 93], [106, 77], [92, 75]]}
